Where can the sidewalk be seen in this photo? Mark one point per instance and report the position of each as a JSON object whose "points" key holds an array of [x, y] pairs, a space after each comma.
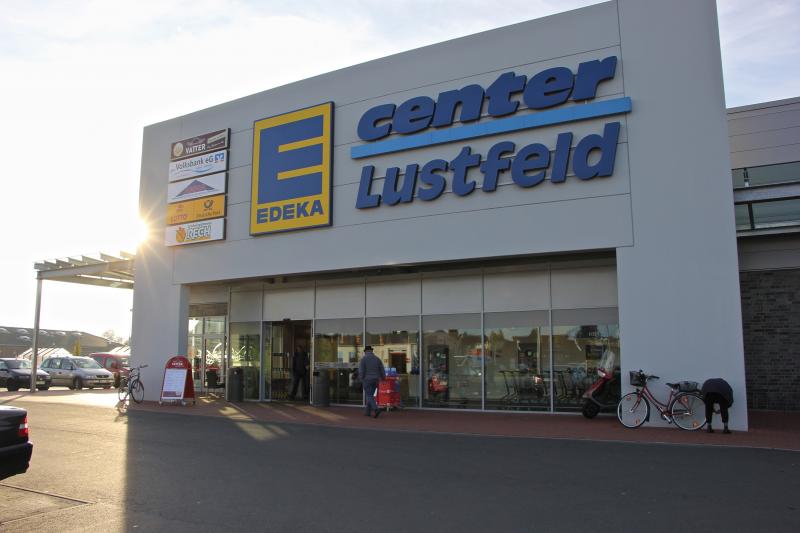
{"points": [[768, 429]]}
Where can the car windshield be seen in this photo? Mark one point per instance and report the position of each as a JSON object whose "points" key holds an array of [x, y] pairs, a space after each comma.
{"points": [[85, 363], [19, 363]]}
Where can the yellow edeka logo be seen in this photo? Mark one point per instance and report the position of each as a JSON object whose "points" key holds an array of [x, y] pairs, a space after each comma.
{"points": [[192, 210], [292, 165]]}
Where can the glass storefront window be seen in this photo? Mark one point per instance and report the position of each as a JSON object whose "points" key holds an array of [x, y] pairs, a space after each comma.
{"points": [[206, 352], [738, 178], [196, 326], [214, 325], [245, 340], [517, 360], [338, 346], [581, 339], [742, 217], [766, 175], [395, 341], [452, 361], [776, 214], [769, 174]]}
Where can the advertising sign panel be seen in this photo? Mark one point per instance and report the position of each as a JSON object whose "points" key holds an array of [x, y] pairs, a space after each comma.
{"points": [[292, 164], [207, 142], [196, 188], [177, 384], [194, 210], [198, 166], [195, 232]]}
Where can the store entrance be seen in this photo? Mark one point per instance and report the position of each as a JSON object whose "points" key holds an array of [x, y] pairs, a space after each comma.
{"points": [[287, 360], [206, 353]]}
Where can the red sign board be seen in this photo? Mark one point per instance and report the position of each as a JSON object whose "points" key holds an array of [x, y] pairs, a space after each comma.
{"points": [[177, 384]]}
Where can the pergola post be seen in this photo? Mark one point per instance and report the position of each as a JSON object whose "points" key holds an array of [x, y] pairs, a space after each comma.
{"points": [[35, 356]]}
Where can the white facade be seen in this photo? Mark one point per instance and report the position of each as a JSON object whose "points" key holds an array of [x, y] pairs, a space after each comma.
{"points": [[654, 243]]}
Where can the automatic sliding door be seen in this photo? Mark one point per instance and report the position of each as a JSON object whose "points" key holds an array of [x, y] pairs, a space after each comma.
{"points": [[338, 346]]}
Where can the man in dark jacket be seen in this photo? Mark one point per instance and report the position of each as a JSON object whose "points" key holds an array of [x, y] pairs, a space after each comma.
{"points": [[371, 371], [718, 391], [299, 373]]}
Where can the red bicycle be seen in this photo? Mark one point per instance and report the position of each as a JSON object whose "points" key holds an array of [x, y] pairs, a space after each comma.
{"points": [[684, 406]]}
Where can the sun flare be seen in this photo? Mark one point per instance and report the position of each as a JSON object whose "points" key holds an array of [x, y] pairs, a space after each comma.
{"points": [[142, 232]]}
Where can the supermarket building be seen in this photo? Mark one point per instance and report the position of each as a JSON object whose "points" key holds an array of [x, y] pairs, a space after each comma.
{"points": [[493, 214]]}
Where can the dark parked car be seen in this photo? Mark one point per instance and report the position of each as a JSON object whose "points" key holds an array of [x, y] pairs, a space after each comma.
{"points": [[15, 448], [15, 374]]}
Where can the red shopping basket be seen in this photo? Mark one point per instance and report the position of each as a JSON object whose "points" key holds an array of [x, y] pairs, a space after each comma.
{"points": [[388, 396]]}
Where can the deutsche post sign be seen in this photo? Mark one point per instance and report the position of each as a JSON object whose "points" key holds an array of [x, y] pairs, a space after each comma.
{"points": [[292, 165], [193, 210]]}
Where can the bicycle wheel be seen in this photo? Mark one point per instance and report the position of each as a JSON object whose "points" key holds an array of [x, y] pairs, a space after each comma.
{"points": [[122, 391], [688, 411], [633, 410], [137, 391]]}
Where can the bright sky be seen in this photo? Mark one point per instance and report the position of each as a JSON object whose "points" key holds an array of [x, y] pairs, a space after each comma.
{"points": [[82, 78]]}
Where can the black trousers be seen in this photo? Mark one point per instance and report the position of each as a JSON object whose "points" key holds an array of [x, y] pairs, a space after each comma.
{"points": [[296, 379], [712, 398]]}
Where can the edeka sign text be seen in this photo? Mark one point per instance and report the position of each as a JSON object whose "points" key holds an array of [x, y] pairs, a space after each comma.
{"points": [[529, 165], [292, 162]]}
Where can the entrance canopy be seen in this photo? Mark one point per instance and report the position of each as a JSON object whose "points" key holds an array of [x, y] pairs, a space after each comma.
{"points": [[105, 271]]}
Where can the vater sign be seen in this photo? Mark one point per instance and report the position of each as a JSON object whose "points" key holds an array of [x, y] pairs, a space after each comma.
{"points": [[593, 155]]}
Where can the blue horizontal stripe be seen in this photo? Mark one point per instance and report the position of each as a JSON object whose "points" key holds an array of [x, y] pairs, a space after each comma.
{"points": [[505, 125]]}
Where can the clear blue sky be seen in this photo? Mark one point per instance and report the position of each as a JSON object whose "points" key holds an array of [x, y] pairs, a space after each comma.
{"points": [[81, 79]]}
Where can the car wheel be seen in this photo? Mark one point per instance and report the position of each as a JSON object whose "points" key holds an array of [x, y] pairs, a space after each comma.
{"points": [[45, 387], [12, 387], [77, 384], [106, 387], [90, 387]]}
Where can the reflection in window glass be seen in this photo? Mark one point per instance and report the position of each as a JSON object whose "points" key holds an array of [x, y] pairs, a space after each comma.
{"points": [[769, 174], [776, 214], [452, 361], [742, 217], [738, 178], [245, 354], [395, 342], [338, 346], [592, 336], [215, 325], [517, 360], [196, 326]]}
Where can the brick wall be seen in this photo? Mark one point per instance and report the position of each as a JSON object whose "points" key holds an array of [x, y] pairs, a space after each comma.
{"points": [[771, 327]]}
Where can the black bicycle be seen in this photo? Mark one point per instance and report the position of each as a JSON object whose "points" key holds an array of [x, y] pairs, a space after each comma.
{"points": [[132, 386]]}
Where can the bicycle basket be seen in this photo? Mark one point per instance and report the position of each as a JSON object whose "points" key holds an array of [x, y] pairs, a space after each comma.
{"points": [[687, 386], [638, 379]]}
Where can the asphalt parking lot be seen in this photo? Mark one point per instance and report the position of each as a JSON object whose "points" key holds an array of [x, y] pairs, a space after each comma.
{"points": [[97, 467]]}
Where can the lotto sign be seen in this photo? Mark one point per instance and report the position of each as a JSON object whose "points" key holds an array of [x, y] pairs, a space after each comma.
{"points": [[292, 164], [195, 232], [193, 210]]}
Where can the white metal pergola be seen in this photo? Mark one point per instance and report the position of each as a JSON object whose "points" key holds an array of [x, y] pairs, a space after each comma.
{"points": [[105, 271]]}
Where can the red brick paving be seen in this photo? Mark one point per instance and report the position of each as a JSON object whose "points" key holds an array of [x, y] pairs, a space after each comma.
{"points": [[774, 430]]}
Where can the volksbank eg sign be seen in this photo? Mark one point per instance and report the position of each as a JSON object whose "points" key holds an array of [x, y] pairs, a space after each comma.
{"points": [[528, 165]]}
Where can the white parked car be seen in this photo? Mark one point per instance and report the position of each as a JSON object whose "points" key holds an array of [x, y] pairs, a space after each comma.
{"points": [[77, 372]]}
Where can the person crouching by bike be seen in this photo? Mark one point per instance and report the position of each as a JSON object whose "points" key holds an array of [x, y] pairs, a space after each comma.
{"points": [[717, 391]]}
